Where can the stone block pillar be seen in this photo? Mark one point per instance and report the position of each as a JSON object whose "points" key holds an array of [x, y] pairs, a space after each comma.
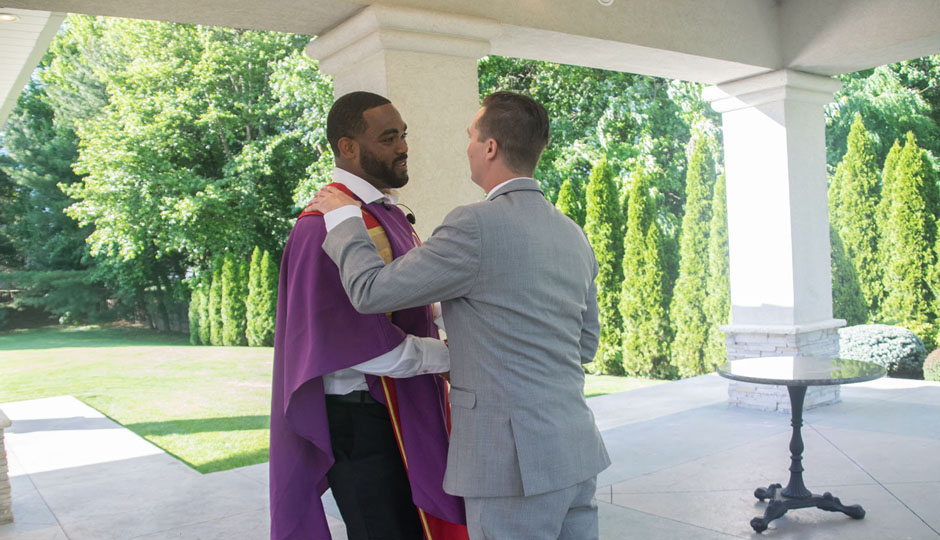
{"points": [[6, 499], [778, 225], [426, 63]]}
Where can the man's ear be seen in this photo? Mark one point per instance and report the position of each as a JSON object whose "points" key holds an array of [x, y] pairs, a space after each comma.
{"points": [[348, 148], [492, 149]]}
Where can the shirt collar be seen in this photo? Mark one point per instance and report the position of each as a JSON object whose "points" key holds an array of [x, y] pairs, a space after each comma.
{"points": [[362, 189], [497, 188]]}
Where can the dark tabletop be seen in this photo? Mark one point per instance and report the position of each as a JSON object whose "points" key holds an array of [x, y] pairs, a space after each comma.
{"points": [[800, 370]]}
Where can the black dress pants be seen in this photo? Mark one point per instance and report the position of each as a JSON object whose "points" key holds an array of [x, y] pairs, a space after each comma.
{"points": [[368, 479]]}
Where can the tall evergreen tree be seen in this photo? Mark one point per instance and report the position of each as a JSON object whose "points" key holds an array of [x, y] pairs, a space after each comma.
{"points": [[234, 291], [252, 301], [603, 225], [195, 301], [853, 205], [204, 288], [643, 304], [215, 304], [569, 202], [718, 301], [267, 303], [689, 319], [889, 171], [908, 241], [848, 302], [261, 305]]}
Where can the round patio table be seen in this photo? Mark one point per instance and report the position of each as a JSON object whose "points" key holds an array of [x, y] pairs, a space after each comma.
{"points": [[797, 373]]}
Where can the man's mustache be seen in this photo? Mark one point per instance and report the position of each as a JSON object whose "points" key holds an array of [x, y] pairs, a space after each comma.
{"points": [[402, 157]]}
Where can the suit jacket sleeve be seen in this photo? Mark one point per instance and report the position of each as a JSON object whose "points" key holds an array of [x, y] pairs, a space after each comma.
{"points": [[444, 267], [590, 327]]}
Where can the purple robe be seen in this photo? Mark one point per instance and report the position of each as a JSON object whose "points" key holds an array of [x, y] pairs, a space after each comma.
{"points": [[319, 332]]}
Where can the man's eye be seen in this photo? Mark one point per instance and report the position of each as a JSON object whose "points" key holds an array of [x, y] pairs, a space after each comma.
{"points": [[404, 136]]}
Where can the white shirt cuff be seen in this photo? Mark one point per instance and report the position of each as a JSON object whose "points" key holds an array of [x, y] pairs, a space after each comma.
{"points": [[413, 356], [341, 214]]}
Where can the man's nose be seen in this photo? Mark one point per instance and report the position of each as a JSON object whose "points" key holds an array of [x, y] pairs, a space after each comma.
{"points": [[402, 146]]}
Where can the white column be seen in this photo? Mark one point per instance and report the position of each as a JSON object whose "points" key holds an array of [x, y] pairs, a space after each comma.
{"points": [[426, 64], [778, 224]]}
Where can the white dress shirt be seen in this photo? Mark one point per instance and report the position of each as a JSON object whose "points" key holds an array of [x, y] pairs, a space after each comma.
{"points": [[413, 356]]}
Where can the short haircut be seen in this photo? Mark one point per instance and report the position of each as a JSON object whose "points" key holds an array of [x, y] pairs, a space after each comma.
{"points": [[519, 124], [345, 118]]}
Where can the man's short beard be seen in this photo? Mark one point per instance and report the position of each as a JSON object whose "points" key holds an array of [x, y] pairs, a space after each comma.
{"points": [[375, 168]]}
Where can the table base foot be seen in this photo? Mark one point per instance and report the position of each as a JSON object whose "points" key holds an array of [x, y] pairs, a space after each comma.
{"points": [[780, 504]]}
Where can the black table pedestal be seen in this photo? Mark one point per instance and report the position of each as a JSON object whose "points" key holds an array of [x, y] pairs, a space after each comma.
{"points": [[795, 495]]}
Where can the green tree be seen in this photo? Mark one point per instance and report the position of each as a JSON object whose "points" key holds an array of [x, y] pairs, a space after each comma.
{"points": [[182, 130], [251, 302], [854, 193], [262, 299], [195, 315], [718, 300], [908, 239], [687, 311], [39, 154], [9, 192], [888, 174], [234, 291], [890, 109], [204, 320], [268, 300], [848, 302], [646, 332], [44, 248], [603, 226], [922, 75], [215, 304], [570, 202]]}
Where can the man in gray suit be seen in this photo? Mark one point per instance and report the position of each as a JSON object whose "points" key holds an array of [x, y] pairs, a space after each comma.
{"points": [[516, 281]]}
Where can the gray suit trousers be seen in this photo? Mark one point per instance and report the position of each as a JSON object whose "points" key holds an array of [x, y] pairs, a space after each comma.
{"points": [[565, 514]]}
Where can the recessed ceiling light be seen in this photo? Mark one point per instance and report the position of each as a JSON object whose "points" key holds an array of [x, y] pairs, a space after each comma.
{"points": [[8, 17]]}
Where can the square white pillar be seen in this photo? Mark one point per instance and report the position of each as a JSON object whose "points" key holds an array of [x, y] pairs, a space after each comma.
{"points": [[778, 224], [426, 64]]}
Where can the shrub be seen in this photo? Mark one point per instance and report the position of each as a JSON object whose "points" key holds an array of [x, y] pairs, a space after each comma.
{"points": [[932, 366], [896, 349]]}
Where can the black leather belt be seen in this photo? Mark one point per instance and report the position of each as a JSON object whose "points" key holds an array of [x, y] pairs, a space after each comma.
{"points": [[356, 396]]}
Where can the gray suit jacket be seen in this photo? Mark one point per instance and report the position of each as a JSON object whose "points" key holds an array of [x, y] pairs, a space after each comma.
{"points": [[516, 282]]}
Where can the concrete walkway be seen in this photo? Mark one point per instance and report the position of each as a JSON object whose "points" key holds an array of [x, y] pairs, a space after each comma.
{"points": [[685, 467]]}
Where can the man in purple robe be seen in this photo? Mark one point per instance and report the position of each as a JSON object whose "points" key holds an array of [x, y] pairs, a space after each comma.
{"points": [[355, 403]]}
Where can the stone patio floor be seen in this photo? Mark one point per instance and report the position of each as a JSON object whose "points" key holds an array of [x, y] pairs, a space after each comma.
{"points": [[685, 465]]}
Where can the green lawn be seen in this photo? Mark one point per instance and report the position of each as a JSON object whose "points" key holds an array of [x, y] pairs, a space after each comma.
{"points": [[206, 405]]}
